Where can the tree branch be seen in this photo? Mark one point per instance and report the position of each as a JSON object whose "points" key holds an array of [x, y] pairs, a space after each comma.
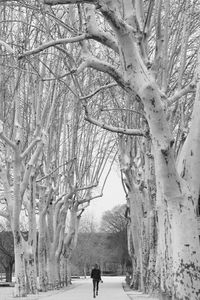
{"points": [[105, 39], [98, 90], [30, 147], [54, 43], [29, 168], [47, 175], [86, 187], [113, 19], [133, 132], [100, 36], [8, 141], [57, 2], [8, 48], [89, 199], [102, 66], [191, 87]]}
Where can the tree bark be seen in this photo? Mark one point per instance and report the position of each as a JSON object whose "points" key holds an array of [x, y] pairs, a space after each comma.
{"points": [[20, 282], [42, 251]]}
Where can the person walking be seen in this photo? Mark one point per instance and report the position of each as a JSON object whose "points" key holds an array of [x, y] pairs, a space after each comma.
{"points": [[96, 278]]}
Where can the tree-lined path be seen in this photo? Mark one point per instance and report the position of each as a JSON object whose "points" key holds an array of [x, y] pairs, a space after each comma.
{"points": [[110, 289], [86, 84]]}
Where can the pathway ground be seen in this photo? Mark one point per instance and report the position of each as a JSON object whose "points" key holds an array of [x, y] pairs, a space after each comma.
{"points": [[81, 289]]}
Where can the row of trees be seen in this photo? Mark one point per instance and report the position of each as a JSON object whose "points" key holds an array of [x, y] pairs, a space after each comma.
{"points": [[106, 245], [130, 67], [51, 158]]}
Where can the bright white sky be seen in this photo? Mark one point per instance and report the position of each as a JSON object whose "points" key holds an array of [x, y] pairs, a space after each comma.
{"points": [[113, 195]]}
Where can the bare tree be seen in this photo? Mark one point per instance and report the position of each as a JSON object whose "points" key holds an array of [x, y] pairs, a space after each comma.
{"points": [[150, 50], [133, 35]]}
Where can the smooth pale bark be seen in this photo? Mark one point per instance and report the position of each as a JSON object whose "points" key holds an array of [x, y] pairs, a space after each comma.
{"points": [[151, 224], [64, 270], [52, 268], [57, 217], [188, 162], [30, 245], [14, 205], [137, 229], [60, 231], [70, 240], [46, 252], [51, 247], [134, 281], [43, 279], [52, 218], [20, 282], [20, 187], [135, 203], [30, 269], [178, 245]]}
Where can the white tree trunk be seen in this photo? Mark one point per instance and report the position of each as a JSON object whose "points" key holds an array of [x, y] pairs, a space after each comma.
{"points": [[137, 229], [31, 274], [42, 251], [188, 162], [151, 224], [20, 282], [52, 269], [30, 245], [178, 245]]}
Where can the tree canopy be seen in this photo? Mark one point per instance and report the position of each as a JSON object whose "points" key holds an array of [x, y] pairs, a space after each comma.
{"points": [[83, 83]]}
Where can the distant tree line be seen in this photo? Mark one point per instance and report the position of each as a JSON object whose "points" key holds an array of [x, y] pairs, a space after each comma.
{"points": [[6, 254], [106, 247]]}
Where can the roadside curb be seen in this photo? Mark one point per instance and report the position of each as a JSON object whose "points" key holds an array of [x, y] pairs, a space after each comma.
{"points": [[136, 295]]}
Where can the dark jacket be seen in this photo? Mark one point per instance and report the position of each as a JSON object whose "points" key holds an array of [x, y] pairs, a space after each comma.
{"points": [[96, 274]]}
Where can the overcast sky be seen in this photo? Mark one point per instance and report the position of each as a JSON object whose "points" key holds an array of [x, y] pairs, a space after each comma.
{"points": [[113, 195]]}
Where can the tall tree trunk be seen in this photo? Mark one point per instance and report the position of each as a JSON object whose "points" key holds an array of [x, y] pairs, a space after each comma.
{"points": [[31, 273], [64, 269], [52, 269], [42, 251], [150, 181], [70, 240], [178, 245], [20, 282], [137, 231], [30, 246], [135, 204]]}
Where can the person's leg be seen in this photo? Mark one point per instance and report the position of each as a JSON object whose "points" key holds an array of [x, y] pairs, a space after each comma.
{"points": [[94, 286], [97, 288]]}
